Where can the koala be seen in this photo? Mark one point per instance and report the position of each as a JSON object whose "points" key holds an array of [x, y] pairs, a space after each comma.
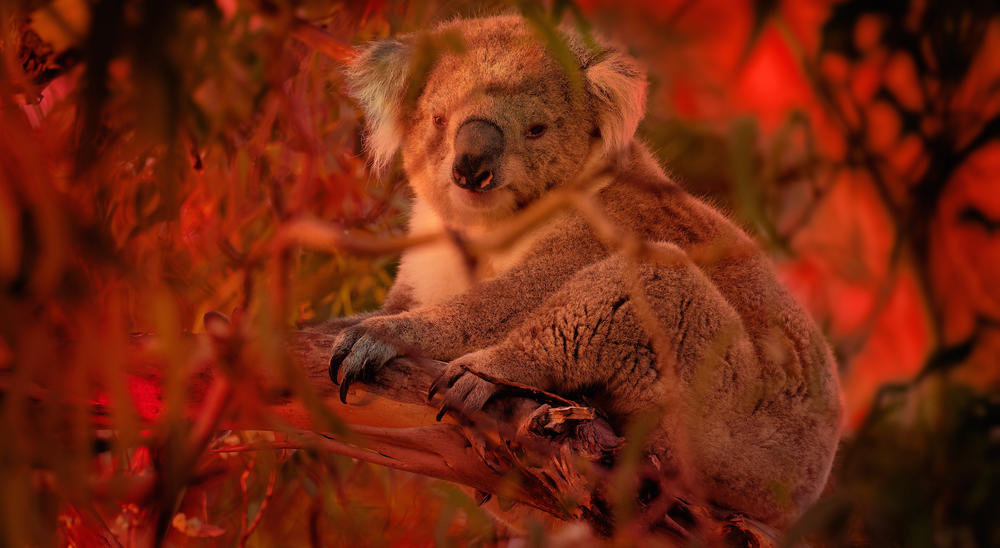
{"points": [[680, 317]]}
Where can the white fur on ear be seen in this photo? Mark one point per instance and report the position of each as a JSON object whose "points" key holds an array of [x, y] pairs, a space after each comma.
{"points": [[619, 85], [377, 79]]}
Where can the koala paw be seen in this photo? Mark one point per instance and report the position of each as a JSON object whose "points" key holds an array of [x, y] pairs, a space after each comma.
{"points": [[357, 353], [462, 391]]}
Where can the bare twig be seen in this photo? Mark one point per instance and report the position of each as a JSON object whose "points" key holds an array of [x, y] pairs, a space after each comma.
{"points": [[248, 529]]}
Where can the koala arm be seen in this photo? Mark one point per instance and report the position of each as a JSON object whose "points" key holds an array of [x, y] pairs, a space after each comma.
{"points": [[483, 315], [480, 317]]}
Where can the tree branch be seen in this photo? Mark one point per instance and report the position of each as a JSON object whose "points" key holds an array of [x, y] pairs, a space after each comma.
{"points": [[525, 445]]}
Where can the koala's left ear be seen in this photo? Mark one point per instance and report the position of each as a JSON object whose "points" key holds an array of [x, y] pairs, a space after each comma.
{"points": [[618, 83], [378, 80]]}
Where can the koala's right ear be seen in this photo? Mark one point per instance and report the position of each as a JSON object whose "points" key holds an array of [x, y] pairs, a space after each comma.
{"points": [[378, 80]]}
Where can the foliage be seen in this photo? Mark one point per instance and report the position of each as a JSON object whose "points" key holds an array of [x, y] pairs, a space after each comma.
{"points": [[154, 156]]}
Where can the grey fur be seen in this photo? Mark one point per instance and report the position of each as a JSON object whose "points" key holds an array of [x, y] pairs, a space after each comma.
{"points": [[736, 376]]}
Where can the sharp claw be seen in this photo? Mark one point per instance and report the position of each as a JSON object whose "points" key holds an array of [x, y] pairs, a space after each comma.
{"points": [[483, 497], [436, 385], [442, 380], [334, 369], [337, 361], [441, 412], [343, 388]]}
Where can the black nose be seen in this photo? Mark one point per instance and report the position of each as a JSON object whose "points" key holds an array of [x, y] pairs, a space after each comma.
{"points": [[478, 148]]}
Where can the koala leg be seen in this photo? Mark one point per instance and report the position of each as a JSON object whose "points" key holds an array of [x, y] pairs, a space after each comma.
{"points": [[698, 378]]}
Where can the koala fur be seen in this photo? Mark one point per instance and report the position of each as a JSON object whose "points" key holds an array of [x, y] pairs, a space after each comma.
{"points": [[738, 378]]}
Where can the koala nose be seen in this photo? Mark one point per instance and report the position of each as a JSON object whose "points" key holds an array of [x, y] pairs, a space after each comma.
{"points": [[478, 147]]}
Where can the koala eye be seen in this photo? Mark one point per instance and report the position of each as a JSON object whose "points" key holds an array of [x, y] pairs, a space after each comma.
{"points": [[535, 131], [439, 121]]}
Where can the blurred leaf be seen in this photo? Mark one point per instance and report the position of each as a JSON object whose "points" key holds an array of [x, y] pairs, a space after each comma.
{"points": [[763, 10], [62, 23]]}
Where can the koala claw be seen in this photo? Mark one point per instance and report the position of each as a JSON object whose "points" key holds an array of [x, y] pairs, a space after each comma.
{"points": [[464, 391], [356, 355], [341, 348], [445, 380]]}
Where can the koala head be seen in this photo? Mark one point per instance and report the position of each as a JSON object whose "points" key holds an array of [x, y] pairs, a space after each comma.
{"points": [[487, 117]]}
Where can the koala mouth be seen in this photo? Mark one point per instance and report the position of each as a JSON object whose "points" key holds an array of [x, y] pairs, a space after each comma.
{"points": [[477, 199]]}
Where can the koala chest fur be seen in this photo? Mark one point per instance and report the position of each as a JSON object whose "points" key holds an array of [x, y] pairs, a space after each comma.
{"points": [[436, 272], [639, 296]]}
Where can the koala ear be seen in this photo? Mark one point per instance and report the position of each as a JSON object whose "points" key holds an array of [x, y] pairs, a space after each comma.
{"points": [[377, 79], [618, 84]]}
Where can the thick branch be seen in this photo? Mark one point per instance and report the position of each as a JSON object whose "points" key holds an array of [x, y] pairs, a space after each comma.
{"points": [[529, 446], [538, 443], [525, 445]]}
